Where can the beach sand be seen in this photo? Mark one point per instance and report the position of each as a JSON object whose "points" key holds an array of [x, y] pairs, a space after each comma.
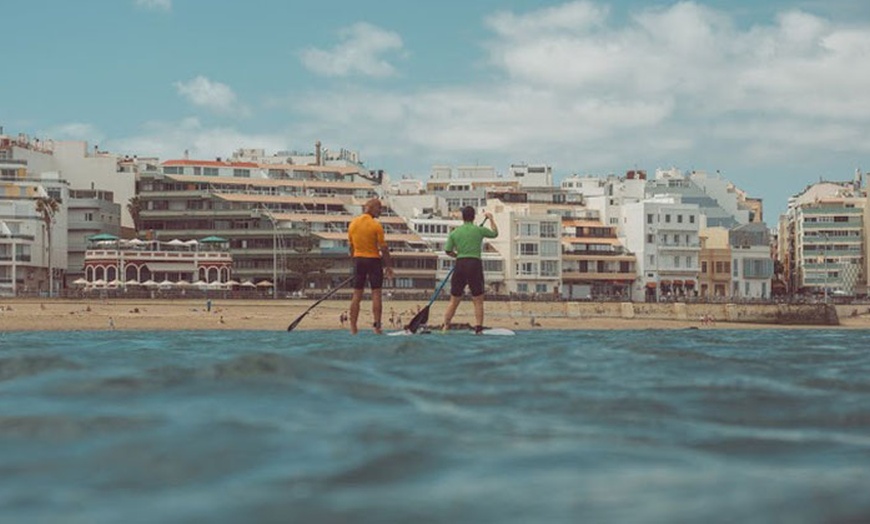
{"points": [[148, 315]]}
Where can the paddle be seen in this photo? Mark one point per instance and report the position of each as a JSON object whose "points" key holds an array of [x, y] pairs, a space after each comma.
{"points": [[324, 297], [422, 316]]}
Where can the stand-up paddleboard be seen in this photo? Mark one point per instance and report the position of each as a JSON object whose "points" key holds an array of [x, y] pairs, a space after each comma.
{"points": [[486, 331]]}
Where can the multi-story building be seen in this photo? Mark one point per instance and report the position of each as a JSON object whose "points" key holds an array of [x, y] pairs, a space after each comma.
{"points": [[530, 244], [714, 278], [822, 239], [752, 265], [595, 264], [662, 232], [283, 222], [91, 212], [33, 244]]}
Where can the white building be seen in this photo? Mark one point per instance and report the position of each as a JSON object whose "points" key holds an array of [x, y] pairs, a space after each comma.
{"points": [[33, 256], [662, 232], [751, 264], [531, 246]]}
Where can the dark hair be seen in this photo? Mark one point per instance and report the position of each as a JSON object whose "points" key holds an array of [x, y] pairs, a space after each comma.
{"points": [[468, 213]]}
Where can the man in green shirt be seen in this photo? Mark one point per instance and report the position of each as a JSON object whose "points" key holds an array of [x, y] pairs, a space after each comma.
{"points": [[465, 243]]}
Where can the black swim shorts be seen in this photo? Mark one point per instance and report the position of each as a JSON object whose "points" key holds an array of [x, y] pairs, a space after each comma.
{"points": [[469, 272], [371, 269]]}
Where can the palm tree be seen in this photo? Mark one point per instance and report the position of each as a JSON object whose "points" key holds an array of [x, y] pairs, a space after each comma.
{"points": [[134, 207], [46, 207]]}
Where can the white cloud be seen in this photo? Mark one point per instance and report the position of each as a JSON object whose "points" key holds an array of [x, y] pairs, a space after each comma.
{"points": [[155, 5], [214, 96], [572, 85], [361, 51], [170, 139]]}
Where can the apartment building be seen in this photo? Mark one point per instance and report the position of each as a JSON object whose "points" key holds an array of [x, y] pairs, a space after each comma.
{"points": [[663, 233], [283, 222], [91, 212], [33, 252], [530, 244], [595, 264], [822, 239], [751, 263], [714, 278]]}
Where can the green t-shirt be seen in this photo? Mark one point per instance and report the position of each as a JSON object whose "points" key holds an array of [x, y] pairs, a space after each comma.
{"points": [[467, 240]]}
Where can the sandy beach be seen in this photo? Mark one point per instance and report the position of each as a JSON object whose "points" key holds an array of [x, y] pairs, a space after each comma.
{"points": [[145, 315]]}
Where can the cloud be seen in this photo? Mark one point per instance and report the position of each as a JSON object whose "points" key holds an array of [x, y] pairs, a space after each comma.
{"points": [[170, 139], [155, 5], [75, 131], [214, 96], [360, 52]]}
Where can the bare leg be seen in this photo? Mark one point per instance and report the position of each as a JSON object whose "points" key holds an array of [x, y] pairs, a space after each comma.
{"points": [[377, 309], [478, 309], [451, 310], [356, 298]]}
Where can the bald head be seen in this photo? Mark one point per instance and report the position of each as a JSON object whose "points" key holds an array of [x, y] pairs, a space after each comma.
{"points": [[373, 207]]}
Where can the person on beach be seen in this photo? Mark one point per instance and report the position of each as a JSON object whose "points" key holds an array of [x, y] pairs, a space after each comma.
{"points": [[371, 261], [465, 243]]}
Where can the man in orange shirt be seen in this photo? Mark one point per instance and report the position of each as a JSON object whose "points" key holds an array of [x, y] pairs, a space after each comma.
{"points": [[371, 259]]}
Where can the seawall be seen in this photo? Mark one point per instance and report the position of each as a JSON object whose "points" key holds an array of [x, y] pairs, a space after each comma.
{"points": [[782, 314]]}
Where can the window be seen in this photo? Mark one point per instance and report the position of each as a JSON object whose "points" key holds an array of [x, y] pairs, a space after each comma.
{"points": [[550, 249], [244, 173], [529, 230], [522, 287], [736, 264], [210, 171], [89, 217], [549, 230], [649, 218], [704, 267], [679, 219], [527, 269], [688, 262], [528, 248], [746, 288], [676, 261], [652, 260], [540, 288], [667, 218], [549, 268], [650, 239], [691, 219]]}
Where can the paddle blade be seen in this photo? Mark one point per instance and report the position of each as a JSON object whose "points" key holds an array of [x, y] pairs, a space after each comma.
{"points": [[419, 319], [296, 322]]}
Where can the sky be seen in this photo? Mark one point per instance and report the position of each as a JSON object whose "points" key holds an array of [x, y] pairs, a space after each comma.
{"points": [[773, 95]]}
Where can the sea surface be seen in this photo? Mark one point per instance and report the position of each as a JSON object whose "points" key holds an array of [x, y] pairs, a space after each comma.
{"points": [[652, 426]]}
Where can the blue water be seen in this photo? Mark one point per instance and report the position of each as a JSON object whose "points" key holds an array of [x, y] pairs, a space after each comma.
{"points": [[548, 426]]}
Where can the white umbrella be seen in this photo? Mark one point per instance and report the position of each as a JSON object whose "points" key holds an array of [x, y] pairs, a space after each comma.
{"points": [[232, 282], [80, 281], [137, 242], [182, 282], [248, 283], [132, 282], [264, 283], [166, 283], [175, 242], [149, 283], [115, 283], [99, 282], [215, 283], [200, 282]]}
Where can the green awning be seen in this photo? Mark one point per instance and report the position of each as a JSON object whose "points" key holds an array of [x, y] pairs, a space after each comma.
{"points": [[213, 239], [102, 236]]}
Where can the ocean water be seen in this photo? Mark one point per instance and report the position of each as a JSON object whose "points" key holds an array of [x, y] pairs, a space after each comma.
{"points": [[548, 426]]}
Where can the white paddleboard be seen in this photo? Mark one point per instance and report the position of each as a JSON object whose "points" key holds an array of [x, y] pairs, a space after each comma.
{"points": [[489, 331]]}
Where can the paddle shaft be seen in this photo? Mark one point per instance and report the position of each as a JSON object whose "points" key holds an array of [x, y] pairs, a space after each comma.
{"points": [[321, 299]]}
